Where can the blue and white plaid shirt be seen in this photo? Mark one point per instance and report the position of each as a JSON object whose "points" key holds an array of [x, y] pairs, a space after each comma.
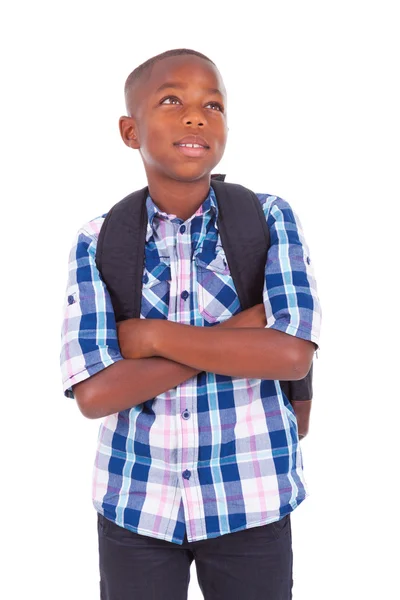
{"points": [[216, 454]]}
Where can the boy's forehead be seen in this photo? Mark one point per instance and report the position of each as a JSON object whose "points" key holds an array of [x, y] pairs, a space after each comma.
{"points": [[184, 70], [187, 67]]}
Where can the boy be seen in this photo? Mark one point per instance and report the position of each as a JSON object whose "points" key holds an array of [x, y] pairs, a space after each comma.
{"points": [[198, 457]]}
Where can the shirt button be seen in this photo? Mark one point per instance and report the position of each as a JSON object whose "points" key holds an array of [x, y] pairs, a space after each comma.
{"points": [[185, 295], [182, 228], [186, 414], [145, 278], [308, 260], [71, 299], [186, 474]]}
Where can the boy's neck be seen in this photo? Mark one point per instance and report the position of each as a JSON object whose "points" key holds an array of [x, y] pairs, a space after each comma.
{"points": [[179, 198]]}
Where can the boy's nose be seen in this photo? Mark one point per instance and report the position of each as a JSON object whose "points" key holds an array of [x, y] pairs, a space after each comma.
{"points": [[193, 117], [195, 123]]}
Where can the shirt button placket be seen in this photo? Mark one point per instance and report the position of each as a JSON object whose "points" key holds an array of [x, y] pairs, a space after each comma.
{"points": [[186, 389]]}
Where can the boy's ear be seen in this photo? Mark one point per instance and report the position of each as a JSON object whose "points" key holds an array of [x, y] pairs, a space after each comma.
{"points": [[127, 129]]}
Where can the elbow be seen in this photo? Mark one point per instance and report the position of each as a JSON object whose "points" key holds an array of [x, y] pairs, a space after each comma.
{"points": [[87, 404], [301, 360], [88, 410], [300, 370]]}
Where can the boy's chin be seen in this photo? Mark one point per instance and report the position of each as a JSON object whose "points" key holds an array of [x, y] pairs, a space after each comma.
{"points": [[192, 173]]}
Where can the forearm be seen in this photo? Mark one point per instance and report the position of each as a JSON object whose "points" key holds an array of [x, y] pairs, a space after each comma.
{"points": [[258, 353], [128, 383], [302, 409], [134, 380]]}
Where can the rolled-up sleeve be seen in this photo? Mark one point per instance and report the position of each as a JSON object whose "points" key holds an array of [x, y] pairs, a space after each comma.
{"points": [[89, 341], [290, 291]]}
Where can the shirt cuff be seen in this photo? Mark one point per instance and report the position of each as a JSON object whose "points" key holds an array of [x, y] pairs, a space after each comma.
{"points": [[304, 334], [85, 374]]}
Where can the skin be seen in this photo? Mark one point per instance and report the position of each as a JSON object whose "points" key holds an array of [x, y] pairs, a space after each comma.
{"points": [[161, 354], [302, 408], [132, 381], [177, 184]]}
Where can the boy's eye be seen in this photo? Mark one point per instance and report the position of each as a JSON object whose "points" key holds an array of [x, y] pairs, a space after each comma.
{"points": [[174, 100], [170, 100], [215, 106]]}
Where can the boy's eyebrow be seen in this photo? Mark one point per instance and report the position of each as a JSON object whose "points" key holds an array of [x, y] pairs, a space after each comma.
{"points": [[171, 84]]}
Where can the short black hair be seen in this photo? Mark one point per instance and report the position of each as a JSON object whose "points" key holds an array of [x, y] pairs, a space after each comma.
{"points": [[145, 67]]}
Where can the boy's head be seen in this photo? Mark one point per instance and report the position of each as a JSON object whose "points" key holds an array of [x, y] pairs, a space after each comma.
{"points": [[176, 104]]}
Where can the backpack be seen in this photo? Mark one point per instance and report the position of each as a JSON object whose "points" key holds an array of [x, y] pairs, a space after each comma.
{"points": [[245, 239]]}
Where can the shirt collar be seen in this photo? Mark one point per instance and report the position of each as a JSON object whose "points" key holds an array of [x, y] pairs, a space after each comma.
{"points": [[209, 205]]}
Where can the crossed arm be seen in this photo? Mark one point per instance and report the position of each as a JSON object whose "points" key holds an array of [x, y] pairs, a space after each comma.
{"points": [[159, 355]]}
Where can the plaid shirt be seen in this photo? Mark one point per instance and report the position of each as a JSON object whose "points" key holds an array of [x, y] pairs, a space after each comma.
{"points": [[216, 454]]}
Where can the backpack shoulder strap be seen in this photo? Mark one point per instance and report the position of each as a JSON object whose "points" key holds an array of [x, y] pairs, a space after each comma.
{"points": [[245, 239], [120, 253]]}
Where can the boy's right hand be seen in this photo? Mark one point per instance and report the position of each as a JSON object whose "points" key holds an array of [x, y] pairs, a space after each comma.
{"points": [[253, 317]]}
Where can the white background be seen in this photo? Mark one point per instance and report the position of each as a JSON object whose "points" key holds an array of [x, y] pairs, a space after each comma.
{"points": [[314, 117]]}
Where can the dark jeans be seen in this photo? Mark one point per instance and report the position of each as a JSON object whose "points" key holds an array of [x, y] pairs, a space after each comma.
{"points": [[253, 564]]}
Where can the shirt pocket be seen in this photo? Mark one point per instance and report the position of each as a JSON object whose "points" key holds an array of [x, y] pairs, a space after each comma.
{"points": [[156, 283], [217, 297]]}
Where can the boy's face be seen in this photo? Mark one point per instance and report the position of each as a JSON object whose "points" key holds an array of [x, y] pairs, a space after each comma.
{"points": [[181, 103]]}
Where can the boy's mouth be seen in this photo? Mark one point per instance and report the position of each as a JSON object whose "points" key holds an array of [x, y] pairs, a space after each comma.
{"points": [[192, 145]]}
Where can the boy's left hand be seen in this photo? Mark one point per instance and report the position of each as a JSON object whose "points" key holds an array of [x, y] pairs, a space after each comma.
{"points": [[137, 337]]}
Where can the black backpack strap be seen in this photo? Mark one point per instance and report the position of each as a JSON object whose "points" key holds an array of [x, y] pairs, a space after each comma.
{"points": [[245, 239], [120, 253]]}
